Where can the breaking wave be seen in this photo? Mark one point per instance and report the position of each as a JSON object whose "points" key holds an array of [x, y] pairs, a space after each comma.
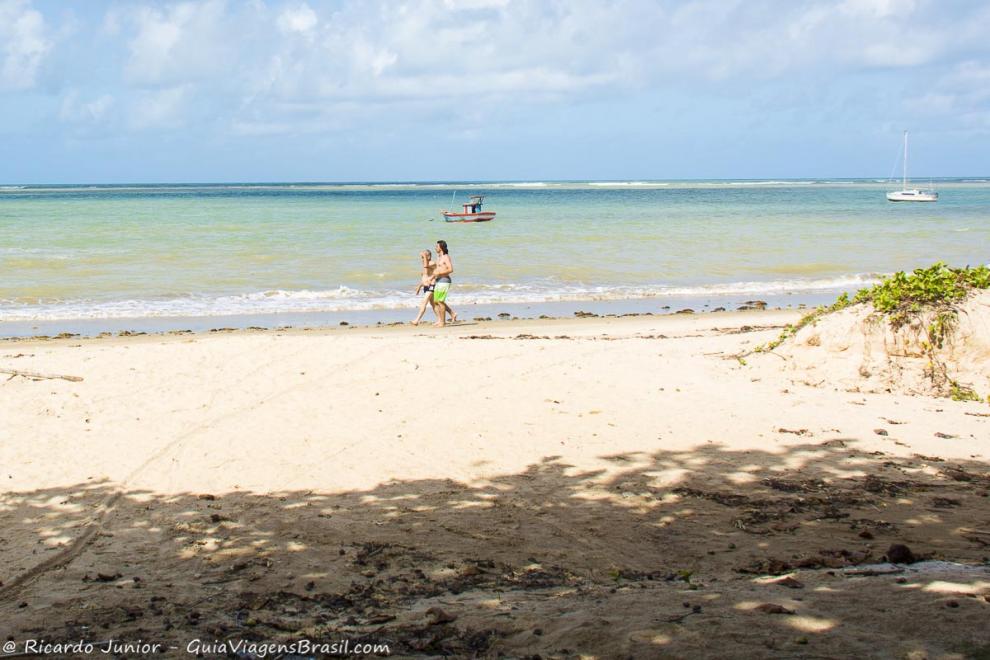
{"points": [[344, 298]]}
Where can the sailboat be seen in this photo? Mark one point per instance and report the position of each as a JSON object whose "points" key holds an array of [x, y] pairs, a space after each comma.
{"points": [[906, 194]]}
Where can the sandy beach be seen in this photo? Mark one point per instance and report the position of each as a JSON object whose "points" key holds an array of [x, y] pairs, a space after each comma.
{"points": [[602, 487], [715, 383]]}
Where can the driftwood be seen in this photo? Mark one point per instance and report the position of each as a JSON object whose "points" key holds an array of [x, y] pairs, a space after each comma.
{"points": [[31, 374]]}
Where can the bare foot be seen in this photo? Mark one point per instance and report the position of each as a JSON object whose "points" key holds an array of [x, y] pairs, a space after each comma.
{"points": [[414, 322], [453, 317]]}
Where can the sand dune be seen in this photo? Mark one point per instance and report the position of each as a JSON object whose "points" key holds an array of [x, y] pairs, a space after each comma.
{"points": [[856, 348]]}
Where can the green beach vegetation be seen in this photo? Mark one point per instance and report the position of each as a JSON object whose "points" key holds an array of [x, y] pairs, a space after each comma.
{"points": [[928, 297]]}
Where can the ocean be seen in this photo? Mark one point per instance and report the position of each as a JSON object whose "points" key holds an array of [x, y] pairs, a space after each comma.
{"points": [[101, 257]]}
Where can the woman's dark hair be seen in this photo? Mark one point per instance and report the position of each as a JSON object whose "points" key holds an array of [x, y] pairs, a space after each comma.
{"points": [[443, 246]]}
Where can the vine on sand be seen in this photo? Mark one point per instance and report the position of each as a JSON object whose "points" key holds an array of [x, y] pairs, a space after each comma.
{"points": [[903, 299]]}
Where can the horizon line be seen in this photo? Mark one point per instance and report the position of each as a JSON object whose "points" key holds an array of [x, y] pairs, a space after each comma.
{"points": [[314, 182]]}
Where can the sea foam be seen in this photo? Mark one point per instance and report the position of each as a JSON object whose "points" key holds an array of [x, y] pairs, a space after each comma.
{"points": [[344, 298]]}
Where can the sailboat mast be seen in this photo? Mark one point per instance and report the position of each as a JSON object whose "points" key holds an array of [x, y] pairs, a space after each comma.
{"points": [[904, 177]]}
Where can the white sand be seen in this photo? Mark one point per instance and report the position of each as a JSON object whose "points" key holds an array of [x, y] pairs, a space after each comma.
{"points": [[411, 430]]}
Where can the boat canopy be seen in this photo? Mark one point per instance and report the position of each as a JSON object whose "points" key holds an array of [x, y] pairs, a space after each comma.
{"points": [[474, 206]]}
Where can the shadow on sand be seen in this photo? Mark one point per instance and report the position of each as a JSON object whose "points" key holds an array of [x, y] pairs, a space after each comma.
{"points": [[664, 555]]}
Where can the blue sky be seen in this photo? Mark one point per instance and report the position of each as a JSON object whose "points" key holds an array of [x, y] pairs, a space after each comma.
{"points": [[356, 90]]}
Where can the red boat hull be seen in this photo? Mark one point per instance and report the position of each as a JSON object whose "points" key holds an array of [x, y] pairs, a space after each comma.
{"points": [[468, 217]]}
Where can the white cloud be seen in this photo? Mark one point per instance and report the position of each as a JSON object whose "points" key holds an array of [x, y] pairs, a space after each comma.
{"points": [[179, 42], [265, 66], [161, 108], [475, 4], [24, 43], [880, 9], [963, 95], [368, 49], [75, 110], [249, 128], [485, 53], [297, 19]]}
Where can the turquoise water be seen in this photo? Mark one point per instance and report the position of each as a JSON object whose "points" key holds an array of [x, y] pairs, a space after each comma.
{"points": [[111, 252]]}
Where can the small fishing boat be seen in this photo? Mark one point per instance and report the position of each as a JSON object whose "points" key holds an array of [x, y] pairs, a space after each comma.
{"points": [[906, 194], [472, 212]]}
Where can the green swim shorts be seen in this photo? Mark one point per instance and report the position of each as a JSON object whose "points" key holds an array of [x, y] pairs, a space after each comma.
{"points": [[440, 290]]}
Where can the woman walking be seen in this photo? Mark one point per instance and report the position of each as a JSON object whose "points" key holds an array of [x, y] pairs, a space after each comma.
{"points": [[426, 285]]}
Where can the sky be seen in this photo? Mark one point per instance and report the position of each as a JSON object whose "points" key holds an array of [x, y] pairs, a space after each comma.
{"points": [[490, 90]]}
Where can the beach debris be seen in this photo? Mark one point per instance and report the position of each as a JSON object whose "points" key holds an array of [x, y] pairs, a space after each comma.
{"points": [[798, 432], [957, 474], [790, 582], [102, 577], [31, 374], [686, 310], [794, 486], [679, 618], [439, 616], [585, 315], [875, 570], [944, 436], [881, 431], [773, 608], [898, 553], [874, 484]]}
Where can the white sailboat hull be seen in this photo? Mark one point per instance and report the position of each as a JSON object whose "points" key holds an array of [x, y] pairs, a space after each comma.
{"points": [[906, 194], [912, 196]]}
